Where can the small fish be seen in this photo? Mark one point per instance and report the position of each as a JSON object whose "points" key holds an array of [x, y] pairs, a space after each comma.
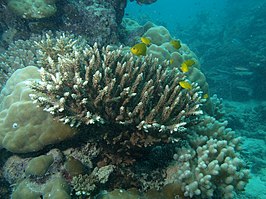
{"points": [[205, 96], [186, 64], [185, 85], [184, 68], [176, 44], [139, 49], [146, 40], [189, 62]]}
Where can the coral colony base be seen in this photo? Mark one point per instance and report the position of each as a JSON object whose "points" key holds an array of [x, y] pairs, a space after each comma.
{"points": [[126, 126]]}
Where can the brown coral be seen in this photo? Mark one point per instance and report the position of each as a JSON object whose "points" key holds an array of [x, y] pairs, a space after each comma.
{"points": [[89, 85]]}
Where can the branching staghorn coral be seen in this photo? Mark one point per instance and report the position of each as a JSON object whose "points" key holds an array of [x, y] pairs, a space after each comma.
{"points": [[134, 106], [23, 53], [89, 85], [19, 54]]}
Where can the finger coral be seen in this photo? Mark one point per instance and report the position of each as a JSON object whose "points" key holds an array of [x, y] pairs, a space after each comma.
{"points": [[212, 160]]}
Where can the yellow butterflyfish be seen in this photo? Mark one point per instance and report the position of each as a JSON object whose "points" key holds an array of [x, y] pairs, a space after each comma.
{"points": [[146, 40], [139, 49], [185, 85], [176, 44]]}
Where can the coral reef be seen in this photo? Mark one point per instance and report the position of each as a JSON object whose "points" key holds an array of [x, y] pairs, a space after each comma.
{"points": [[110, 79], [12, 27], [23, 126], [38, 166], [18, 55], [55, 188], [162, 49], [213, 158], [48, 181], [99, 21], [22, 53], [138, 132], [30, 9]]}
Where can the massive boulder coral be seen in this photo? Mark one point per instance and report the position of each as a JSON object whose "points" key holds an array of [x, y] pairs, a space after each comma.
{"points": [[36, 177], [23, 126], [33, 9]]}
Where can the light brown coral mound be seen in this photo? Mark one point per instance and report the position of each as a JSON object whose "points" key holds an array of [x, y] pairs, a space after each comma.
{"points": [[54, 188], [33, 9], [23, 127]]}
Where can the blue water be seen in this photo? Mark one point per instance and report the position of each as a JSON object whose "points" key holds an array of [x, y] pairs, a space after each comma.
{"points": [[175, 12]]}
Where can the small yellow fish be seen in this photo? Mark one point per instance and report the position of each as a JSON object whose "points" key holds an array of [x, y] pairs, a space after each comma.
{"points": [[205, 96], [184, 68], [176, 44], [146, 40], [186, 64], [185, 85], [189, 62], [139, 49]]}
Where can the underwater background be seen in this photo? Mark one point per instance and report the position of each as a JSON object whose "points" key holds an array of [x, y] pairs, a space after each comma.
{"points": [[89, 145]]}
